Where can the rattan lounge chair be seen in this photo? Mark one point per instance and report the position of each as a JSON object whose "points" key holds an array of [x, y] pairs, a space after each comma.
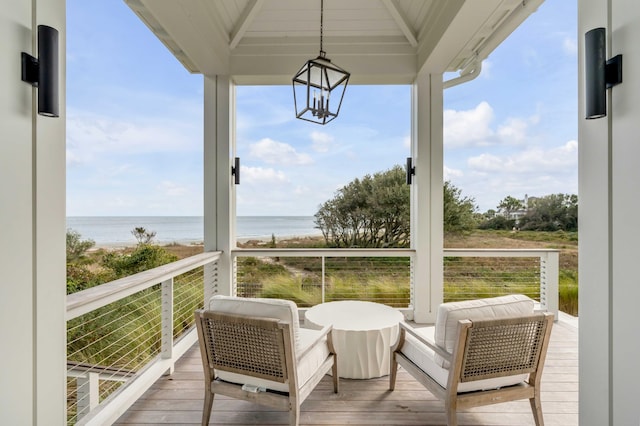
{"points": [[254, 349], [484, 361]]}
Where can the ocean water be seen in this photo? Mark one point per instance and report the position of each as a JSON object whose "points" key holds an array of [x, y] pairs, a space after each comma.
{"points": [[116, 230]]}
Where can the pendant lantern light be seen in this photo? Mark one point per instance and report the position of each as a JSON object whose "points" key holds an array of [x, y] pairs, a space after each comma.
{"points": [[319, 86]]}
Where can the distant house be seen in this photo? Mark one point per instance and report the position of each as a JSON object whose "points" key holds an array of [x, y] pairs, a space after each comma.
{"points": [[518, 214]]}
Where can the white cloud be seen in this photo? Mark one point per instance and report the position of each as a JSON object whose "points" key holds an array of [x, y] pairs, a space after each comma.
{"points": [[406, 142], [321, 142], [90, 136], [171, 189], [570, 46], [513, 130], [273, 152], [452, 173], [260, 175], [468, 127], [534, 160], [472, 128]]}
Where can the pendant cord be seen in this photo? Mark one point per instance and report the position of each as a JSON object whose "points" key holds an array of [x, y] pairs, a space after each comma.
{"points": [[321, 25]]}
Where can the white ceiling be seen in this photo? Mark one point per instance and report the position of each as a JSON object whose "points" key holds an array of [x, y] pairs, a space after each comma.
{"points": [[378, 41]]}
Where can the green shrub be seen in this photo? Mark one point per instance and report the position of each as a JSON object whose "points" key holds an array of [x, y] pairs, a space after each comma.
{"points": [[142, 258]]}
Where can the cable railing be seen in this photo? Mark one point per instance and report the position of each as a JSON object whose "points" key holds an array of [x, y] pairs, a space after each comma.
{"points": [[479, 273], [312, 276], [123, 335]]}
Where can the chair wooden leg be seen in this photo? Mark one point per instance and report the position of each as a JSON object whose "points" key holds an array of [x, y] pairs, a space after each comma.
{"points": [[294, 414], [536, 408], [208, 403], [334, 372], [450, 407], [393, 371]]}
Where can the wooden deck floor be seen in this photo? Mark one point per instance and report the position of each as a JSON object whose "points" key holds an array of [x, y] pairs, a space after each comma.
{"points": [[177, 400]]}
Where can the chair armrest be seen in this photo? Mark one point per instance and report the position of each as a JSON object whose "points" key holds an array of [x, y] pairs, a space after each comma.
{"points": [[431, 345], [324, 332]]}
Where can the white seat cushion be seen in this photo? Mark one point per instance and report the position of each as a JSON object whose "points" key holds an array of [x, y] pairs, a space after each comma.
{"points": [[284, 310], [422, 356], [306, 367], [449, 314]]}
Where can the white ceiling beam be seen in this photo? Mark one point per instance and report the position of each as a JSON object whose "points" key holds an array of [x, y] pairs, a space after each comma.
{"points": [[401, 22], [248, 14]]}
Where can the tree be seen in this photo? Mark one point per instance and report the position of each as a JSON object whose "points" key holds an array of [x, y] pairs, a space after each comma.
{"points": [[459, 211], [375, 212], [77, 247], [552, 213], [510, 204], [142, 235], [497, 222], [79, 275], [368, 212]]}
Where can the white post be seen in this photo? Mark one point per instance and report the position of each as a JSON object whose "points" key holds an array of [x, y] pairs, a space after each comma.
{"points": [[323, 279], [219, 214], [427, 196], [210, 281], [87, 394], [549, 271], [166, 351]]}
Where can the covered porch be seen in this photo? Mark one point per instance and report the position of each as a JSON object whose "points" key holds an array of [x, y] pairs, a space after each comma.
{"points": [[410, 48]]}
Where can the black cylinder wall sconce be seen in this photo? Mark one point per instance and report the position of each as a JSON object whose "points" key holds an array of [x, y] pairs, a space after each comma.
{"points": [[42, 72], [599, 73]]}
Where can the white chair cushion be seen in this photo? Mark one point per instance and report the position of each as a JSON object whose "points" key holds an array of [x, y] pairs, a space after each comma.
{"points": [[479, 309], [422, 356], [284, 310], [306, 366]]}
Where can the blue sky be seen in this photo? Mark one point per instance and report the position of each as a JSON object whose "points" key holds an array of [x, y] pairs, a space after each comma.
{"points": [[134, 124]]}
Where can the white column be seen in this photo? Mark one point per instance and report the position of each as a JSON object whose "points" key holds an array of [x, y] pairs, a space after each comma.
{"points": [[219, 111], [427, 195], [624, 111], [16, 251], [32, 253], [594, 242]]}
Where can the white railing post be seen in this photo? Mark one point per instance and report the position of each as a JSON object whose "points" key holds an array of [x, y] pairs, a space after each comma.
{"points": [[549, 292], [167, 322], [87, 394], [323, 279], [210, 280]]}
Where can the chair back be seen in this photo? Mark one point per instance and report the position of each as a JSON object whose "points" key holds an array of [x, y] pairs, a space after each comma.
{"points": [[503, 347], [245, 345], [449, 314]]}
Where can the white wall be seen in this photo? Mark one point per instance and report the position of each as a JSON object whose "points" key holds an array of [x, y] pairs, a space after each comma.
{"points": [[625, 168], [32, 221], [609, 173]]}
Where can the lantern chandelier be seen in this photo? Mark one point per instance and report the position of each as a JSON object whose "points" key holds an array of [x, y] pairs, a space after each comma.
{"points": [[316, 83]]}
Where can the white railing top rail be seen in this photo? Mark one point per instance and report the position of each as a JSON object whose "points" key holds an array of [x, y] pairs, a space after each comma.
{"points": [[390, 252], [96, 297], [497, 252], [325, 252]]}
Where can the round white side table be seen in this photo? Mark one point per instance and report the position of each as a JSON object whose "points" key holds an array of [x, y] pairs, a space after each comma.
{"points": [[363, 333]]}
